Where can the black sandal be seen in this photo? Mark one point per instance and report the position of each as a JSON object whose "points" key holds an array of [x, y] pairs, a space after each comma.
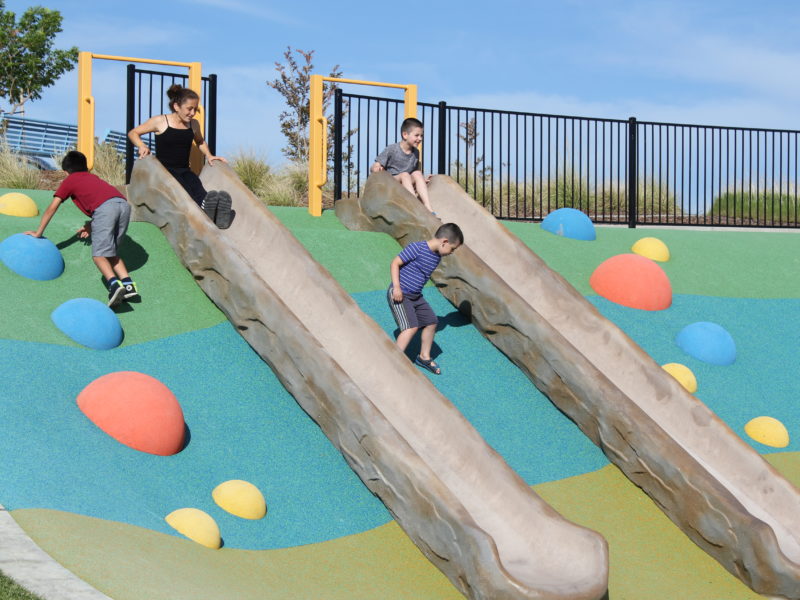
{"points": [[428, 364]]}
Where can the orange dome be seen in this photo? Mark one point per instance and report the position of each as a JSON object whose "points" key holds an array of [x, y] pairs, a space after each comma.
{"points": [[634, 281], [136, 410]]}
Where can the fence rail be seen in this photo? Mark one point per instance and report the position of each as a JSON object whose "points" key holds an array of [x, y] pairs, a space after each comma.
{"points": [[524, 165]]}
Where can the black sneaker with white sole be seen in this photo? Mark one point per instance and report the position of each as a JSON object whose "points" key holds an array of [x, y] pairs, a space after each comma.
{"points": [[210, 204], [131, 292], [116, 293], [225, 214]]}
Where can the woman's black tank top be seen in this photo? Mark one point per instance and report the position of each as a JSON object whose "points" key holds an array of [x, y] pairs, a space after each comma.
{"points": [[173, 147]]}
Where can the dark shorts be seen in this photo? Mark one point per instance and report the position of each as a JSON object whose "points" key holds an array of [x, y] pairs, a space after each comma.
{"points": [[413, 311], [190, 182]]}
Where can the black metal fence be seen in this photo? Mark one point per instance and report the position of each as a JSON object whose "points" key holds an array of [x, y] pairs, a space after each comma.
{"points": [[147, 96], [525, 165]]}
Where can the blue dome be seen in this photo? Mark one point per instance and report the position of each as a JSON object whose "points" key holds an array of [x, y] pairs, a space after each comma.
{"points": [[31, 257], [89, 322], [708, 342], [570, 223]]}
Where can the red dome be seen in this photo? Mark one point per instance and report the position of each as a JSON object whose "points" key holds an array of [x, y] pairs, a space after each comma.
{"points": [[634, 281], [136, 410]]}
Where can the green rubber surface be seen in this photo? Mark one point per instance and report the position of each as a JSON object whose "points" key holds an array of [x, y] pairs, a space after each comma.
{"points": [[650, 557]]}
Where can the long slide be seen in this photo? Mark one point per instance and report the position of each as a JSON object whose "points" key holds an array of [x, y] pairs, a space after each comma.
{"points": [[455, 497], [707, 480]]}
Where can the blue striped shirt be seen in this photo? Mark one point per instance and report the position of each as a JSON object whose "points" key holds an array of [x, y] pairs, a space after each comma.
{"points": [[418, 264]]}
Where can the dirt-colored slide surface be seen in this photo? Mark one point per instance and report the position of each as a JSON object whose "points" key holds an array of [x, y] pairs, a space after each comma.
{"points": [[714, 486], [457, 499]]}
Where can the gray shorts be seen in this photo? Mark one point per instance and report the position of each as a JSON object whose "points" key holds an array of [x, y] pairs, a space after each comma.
{"points": [[109, 224], [413, 311]]}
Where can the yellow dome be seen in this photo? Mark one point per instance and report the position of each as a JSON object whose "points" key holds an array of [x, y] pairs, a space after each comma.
{"points": [[683, 374], [16, 204], [240, 498], [651, 248], [196, 525], [768, 431]]}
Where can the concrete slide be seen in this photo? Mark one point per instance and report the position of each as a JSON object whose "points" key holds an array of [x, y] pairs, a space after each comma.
{"points": [[713, 485], [457, 499]]}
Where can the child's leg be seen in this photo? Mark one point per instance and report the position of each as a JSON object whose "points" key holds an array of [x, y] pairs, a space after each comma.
{"points": [[405, 317], [104, 266], [427, 341], [422, 188], [120, 270], [406, 181], [404, 338]]}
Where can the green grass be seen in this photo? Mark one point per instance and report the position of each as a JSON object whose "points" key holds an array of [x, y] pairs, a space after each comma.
{"points": [[285, 187], [9, 590], [15, 173], [535, 198], [767, 207]]}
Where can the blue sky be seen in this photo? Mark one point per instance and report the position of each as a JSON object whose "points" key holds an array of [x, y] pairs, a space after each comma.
{"points": [[711, 62]]}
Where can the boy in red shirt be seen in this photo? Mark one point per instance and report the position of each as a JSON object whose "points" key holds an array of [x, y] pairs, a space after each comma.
{"points": [[110, 214]]}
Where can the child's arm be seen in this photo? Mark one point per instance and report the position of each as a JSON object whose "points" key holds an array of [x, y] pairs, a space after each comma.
{"points": [[201, 143], [85, 231], [381, 161], [150, 126], [48, 214], [394, 269]]}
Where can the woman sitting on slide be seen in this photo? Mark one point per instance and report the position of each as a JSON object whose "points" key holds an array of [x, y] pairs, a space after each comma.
{"points": [[174, 134]]}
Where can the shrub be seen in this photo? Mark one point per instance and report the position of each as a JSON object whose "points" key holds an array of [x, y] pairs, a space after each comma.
{"points": [[254, 172], [285, 187], [534, 198], [15, 172], [109, 164], [764, 206]]}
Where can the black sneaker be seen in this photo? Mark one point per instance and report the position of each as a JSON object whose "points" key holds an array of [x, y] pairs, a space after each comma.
{"points": [[210, 204], [116, 292], [225, 215], [131, 292]]}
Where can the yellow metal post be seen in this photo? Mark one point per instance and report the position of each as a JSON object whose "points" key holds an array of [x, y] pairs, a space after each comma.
{"points": [[196, 85], [85, 107], [410, 102], [317, 144], [410, 108], [318, 133], [86, 100]]}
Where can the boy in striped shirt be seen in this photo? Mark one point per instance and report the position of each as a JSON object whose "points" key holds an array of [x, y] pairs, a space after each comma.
{"points": [[410, 271]]}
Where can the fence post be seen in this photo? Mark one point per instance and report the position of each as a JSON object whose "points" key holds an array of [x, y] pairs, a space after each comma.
{"points": [[337, 144], [130, 121], [211, 114], [633, 175], [442, 138]]}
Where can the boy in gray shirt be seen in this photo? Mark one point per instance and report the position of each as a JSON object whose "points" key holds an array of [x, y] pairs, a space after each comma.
{"points": [[401, 160]]}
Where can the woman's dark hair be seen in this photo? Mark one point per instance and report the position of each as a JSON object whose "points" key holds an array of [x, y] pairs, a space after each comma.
{"points": [[74, 162], [178, 94]]}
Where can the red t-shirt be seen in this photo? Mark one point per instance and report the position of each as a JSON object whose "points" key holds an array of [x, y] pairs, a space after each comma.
{"points": [[87, 191]]}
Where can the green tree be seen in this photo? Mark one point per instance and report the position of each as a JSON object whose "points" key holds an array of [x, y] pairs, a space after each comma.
{"points": [[28, 61], [293, 84]]}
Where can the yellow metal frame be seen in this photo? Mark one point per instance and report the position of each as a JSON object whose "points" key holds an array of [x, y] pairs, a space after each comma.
{"points": [[86, 100], [318, 133]]}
